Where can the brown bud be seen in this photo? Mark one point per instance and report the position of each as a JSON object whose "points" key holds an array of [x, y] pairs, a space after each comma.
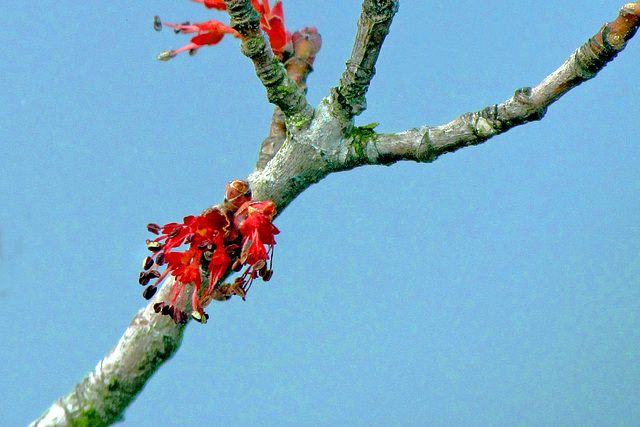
{"points": [[236, 193]]}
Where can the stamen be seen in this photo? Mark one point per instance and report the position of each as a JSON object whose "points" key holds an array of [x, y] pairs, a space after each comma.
{"points": [[237, 265], [157, 23], [149, 292], [166, 55], [160, 259], [144, 278], [157, 307], [199, 317], [154, 246], [154, 228], [147, 263]]}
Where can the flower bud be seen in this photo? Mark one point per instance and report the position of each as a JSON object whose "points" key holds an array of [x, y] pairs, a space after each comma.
{"points": [[236, 193]]}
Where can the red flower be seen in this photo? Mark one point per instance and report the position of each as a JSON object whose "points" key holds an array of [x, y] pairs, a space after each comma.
{"points": [[205, 235], [272, 23], [209, 33], [253, 219], [212, 4], [240, 228]]}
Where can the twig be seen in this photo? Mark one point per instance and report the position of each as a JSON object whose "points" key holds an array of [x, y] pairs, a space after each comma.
{"points": [[373, 26], [282, 91], [425, 144]]}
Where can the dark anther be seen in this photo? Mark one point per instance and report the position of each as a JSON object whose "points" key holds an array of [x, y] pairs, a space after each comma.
{"points": [[180, 317], [154, 228], [267, 275], [204, 244], [165, 56], [237, 265], [199, 317], [175, 232], [189, 237], [144, 278], [157, 23], [263, 270], [178, 30], [167, 310], [153, 273], [149, 292], [147, 263], [157, 307], [193, 52], [154, 246], [160, 259], [259, 265]]}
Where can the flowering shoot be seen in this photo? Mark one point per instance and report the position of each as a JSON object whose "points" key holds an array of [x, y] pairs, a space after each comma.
{"points": [[211, 32], [224, 237]]}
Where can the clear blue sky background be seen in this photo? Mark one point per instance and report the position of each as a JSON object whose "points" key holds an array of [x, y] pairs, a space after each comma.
{"points": [[496, 286]]}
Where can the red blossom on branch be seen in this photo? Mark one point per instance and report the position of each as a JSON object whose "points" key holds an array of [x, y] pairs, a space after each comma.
{"points": [[237, 229], [211, 32]]}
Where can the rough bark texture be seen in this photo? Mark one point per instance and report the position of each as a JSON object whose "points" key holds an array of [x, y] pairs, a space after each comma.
{"points": [[317, 143]]}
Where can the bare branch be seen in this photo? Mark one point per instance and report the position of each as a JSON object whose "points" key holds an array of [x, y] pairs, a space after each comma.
{"points": [[101, 398], [282, 91], [305, 44], [425, 144], [373, 27]]}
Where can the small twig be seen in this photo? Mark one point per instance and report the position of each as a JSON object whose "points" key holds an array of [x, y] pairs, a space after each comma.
{"points": [[101, 398], [282, 91], [373, 27], [425, 144], [305, 45]]}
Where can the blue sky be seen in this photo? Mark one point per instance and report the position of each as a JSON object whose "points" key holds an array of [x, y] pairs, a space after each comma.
{"points": [[496, 286]]}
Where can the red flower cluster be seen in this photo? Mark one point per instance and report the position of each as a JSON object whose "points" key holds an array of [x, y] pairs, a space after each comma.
{"points": [[211, 32], [239, 229]]}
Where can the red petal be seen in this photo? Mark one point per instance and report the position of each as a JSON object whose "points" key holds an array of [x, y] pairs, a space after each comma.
{"points": [[215, 4], [207, 39]]}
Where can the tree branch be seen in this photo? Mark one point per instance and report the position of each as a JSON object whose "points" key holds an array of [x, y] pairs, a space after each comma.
{"points": [[373, 27], [101, 398], [330, 143], [282, 91], [425, 144]]}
